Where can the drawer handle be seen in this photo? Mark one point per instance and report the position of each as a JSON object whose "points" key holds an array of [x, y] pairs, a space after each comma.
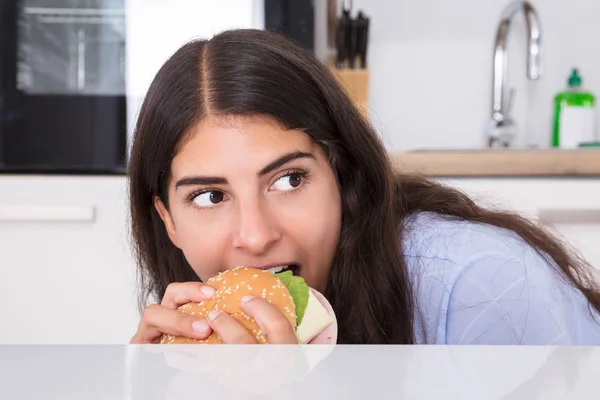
{"points": [[570, 216], [10, 213]]}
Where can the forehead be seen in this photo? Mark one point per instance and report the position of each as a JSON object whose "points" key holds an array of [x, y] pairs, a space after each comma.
{"points": [[218, 143]]}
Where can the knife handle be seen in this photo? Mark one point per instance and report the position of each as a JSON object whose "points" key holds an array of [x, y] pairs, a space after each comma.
{"points": [[341, 40], [363, 38], [353, 50]]}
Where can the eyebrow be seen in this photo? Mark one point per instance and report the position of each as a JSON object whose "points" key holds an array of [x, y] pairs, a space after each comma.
{"points": [[216, 180]]}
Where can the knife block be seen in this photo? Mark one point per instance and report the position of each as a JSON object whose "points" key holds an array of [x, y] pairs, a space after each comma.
{"points": [[356, 83]]}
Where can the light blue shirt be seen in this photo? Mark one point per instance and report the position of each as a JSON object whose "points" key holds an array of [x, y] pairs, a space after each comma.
{"points": [[479, 284]]}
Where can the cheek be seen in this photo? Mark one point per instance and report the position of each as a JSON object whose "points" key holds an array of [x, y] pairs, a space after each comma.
{"points": [[202, 240], [317, 227], [314, 223]]}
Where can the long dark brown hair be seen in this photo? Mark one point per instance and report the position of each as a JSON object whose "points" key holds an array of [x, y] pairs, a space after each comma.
{"points": [[244, 72]]}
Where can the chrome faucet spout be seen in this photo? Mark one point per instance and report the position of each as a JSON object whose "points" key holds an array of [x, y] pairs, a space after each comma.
{"points": [[502, 129]]}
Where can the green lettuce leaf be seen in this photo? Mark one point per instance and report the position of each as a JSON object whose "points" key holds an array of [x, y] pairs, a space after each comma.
{"points": [[298, 290]]}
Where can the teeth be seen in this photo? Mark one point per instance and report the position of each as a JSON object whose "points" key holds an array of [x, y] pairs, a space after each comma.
{"points": [[275, 270]]}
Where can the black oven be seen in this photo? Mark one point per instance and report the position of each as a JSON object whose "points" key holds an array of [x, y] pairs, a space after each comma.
{"points": [[62, 86], [293, 18]]}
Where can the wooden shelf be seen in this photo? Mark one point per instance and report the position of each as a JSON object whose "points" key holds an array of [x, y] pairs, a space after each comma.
{"points": [[501, 162]]}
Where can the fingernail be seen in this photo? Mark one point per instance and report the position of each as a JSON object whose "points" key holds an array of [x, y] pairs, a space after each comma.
{"points": [[200, 326], [213, 315], [246, 299], [207, 290]]}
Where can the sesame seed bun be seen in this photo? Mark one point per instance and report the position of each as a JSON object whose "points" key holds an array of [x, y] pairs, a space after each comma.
{"points": [[230, 286]]}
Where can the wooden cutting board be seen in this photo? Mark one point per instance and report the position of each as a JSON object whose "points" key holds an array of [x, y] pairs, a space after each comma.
{"points": [[499, 162]]}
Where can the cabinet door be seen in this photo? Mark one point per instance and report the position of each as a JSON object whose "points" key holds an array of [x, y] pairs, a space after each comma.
{"points": [[66, 273], [569, 206]]}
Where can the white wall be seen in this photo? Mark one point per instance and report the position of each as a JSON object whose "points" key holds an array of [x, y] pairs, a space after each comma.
{"points": [[431, 67], [430, 61], [156, 29]]}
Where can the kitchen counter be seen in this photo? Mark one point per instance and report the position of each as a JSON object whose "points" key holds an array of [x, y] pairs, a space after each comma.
{"points": [[417, 372], [500, 162]]}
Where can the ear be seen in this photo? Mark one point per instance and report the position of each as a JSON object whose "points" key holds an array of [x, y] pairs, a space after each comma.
{"points": [[166, 218]]}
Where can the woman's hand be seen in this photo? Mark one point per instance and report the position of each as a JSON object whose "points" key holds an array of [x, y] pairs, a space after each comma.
{"points": [[274, 325], [164, 318]]}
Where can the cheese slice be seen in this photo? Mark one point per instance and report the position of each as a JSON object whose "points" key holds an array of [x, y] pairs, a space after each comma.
{"points": [[316, 319]]}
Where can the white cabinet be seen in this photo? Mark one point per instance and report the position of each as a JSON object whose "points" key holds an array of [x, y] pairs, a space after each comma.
{"points": [[569, 206], [66, 273]]}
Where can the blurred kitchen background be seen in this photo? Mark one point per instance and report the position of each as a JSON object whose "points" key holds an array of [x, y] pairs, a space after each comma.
{"points": [[73, 74]]}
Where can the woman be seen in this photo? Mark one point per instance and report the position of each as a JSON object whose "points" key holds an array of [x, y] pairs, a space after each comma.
{"points": [[248, 152]]}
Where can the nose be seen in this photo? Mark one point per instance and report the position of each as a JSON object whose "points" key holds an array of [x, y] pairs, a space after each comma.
{"points": [[257, 230]]}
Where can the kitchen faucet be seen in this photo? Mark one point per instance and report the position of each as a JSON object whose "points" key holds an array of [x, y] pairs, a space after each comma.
{"points": [[502, 127]]}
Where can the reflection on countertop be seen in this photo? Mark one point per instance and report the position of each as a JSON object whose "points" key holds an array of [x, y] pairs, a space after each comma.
{"points": [[320, 371]]}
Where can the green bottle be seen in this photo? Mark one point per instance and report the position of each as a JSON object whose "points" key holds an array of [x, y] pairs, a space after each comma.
{"points": [[574, 115]]}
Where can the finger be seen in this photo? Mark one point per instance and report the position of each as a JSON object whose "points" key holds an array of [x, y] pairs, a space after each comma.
{"points": [[179, 293], [272, 322], [229, 329], [158, 320]]}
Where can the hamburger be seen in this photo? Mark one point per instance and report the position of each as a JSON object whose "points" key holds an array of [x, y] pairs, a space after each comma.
{"points": [[307, 310]]}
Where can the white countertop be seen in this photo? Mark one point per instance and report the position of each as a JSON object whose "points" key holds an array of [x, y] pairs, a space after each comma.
{"points": [[324, 372]]}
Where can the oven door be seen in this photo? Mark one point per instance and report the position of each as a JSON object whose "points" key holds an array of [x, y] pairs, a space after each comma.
{"points": [[63, 103]]}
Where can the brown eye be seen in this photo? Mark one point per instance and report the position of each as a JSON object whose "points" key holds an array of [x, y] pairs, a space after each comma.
{"points": [[216, 197], [209, 198], [295, 180], [288, 182]]}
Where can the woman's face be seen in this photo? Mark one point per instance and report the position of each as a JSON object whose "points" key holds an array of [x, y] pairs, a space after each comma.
{"points": [[244, 191]]}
